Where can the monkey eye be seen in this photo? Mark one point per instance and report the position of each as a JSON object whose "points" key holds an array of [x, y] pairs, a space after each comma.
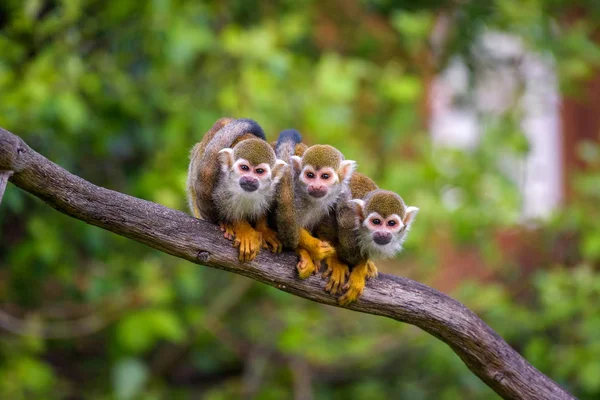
{"points": [[260, 171], [391, 223], [310, 175], [245, 167], [376, 221], [325, 176]]}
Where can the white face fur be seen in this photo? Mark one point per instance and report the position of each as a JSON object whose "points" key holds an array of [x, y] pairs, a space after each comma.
{"points": [[321, 187], [250, 188], [380, 237]]}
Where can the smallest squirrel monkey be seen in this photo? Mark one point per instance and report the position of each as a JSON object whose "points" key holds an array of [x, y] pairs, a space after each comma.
{"points": [[374, 224]]}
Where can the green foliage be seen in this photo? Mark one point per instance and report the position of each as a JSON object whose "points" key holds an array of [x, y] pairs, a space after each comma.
{"points": [[118, 92]]}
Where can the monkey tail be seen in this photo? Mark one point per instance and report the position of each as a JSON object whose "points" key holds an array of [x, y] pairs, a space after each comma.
{"points": [[285, 210]]}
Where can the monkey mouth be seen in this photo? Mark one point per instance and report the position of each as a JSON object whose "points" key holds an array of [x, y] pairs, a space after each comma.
{"points": [[382, 240], [317, 194], [249, 185]]}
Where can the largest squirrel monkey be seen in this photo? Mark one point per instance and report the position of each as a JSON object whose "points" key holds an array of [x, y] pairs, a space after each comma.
{"points": [[318, 178], [232, 177], [372, 224]]}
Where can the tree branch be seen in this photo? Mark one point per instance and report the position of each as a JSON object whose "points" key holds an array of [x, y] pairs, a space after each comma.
{"points": [[483, 351]]}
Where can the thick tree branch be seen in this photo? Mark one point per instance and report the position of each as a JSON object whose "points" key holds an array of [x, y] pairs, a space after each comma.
{"points": [[176, 233]]}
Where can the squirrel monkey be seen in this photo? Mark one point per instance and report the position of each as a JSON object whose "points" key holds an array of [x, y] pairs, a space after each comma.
{"points": [[318, 178], [373, 224], [232, 178]]}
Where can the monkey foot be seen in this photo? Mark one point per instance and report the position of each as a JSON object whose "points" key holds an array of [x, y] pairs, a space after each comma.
{"points": [[305, 266], [270, 239], [371, 270], [321, 251], [356, 284], [318, 249], [247, 240], [227, 229], [337, 272]]}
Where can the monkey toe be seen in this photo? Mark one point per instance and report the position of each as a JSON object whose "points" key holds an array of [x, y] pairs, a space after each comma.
{"points": [[305, 268], [355, 290], [371, 270], [249, 246], [270, 241], [338, 272], [227, 229]]}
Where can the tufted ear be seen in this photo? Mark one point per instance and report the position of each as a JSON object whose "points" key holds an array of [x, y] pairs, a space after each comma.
{"points": [[296, 164], [226, 159], [409, 218], [279, 169], [346, 169], [359, 208]]}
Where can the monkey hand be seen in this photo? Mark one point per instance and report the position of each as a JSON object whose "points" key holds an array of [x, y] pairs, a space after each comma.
{"points": [[305, 266], [318, 249], [247, 240], [270, 238], [271, 241], [227, 229], [337, 272], [356, 284]]}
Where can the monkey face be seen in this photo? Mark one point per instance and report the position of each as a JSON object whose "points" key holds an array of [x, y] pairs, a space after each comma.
{"points": [[251, 178], [382, 223], [382, 235], [319, 182]]}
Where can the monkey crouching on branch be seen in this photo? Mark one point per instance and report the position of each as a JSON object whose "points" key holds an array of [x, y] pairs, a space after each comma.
{"points": [[232, 178], [372, 224], [310, 190]]}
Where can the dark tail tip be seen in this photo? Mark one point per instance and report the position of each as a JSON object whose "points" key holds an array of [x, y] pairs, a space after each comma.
{"points": [[253, 127], [288, 135]]}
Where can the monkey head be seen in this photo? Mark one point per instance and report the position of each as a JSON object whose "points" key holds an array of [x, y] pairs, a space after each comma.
{"points": [[252, 166], [251, 173], [383, 222], [322, 172]]}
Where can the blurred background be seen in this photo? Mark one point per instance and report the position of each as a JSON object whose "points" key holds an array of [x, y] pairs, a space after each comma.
{"points": [[486, 115]]}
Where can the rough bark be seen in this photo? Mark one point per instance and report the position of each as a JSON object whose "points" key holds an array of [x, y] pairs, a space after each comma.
{"points": [[174, 232]]}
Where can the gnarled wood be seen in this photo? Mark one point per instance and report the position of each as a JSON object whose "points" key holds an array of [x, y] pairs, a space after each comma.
{"points": [[176, 233]]}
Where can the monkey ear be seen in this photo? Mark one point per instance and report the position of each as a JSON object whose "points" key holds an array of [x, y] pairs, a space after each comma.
{"points": [[346, 169], [296, 164], [278, 170], [226, 159], [411, 214], [359, 208]]}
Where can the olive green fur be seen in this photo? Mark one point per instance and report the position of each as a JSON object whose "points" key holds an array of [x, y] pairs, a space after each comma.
{"points": [[322, 155], [361, 185], [255, 151], [385, 203]]}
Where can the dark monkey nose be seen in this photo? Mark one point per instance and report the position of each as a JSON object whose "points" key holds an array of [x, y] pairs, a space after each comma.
{"points": [[382, 238], [317, 192], [248, 183]]}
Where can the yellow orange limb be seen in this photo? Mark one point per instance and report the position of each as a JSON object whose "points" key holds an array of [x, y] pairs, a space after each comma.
{"points": [[356, 283], [247, 240], [227, 230], [305, 266], [338, 272], [270, 239], [318, 249]]}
